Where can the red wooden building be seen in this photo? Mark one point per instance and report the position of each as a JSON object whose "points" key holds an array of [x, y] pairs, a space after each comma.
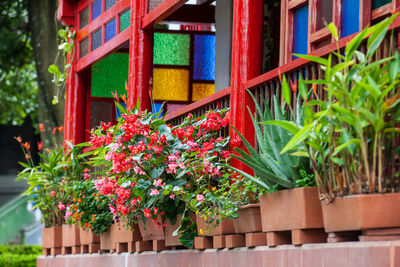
{"points": [[199, 54]]}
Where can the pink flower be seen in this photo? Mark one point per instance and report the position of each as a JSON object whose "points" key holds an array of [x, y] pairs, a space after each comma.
{"points": [[172, 157], [61, 206], [53, 193], [157, 183], [154, 192], [86, 175], [200, 198], [172, 167], [138, 170], [63, 181], [67, 215], [172, 196]]}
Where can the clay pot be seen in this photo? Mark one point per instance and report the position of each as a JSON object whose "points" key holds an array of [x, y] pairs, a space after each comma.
{"points": [[121, 234], [88, 237], [52, 237], [70, 235], [360, 212], [150, 231], [106, 241], [249, 220], [171, 240], [224, 228], [298, 208]]}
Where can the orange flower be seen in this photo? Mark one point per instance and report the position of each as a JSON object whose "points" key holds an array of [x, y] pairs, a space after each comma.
{"points": [[79, 200], [54, 131], [41, 127], [314, 88], [39, 145], [19, 139], [60, 129], [293, 85], [27, 156], [123, 97], [27, 145]]}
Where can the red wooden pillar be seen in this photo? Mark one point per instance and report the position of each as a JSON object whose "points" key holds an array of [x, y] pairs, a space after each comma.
{"points": [[247, 58], [74, 118], [140, 58]]}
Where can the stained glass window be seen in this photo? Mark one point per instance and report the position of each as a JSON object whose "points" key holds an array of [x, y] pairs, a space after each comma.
{"points": [[125, 20], [156, 107], [96, 9], [378, 3], [111, 29], [153, 4], [96, 39], [349, 23], [300, 30], [100, 111], [171, 84], [202, 90], [109, 3], [83, 18], [84, 47], [110, 74], [171, 49], [204, 57]]}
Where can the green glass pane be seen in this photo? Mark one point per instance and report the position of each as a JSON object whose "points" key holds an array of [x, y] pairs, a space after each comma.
{"points": [[378, 3], [110, 74], [171, 49], [125, 20], [84, 18]]}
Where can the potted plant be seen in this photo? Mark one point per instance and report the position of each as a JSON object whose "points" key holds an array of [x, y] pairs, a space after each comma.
{"points": [[291, 200], [47, 187], [352, 136], [150, 167]]}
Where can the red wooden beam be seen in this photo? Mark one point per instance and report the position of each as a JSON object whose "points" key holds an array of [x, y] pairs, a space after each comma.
{"points": [[65, 12], [246, 63], [198, 104], [140, 58], [118, 8], [162, 11], [107, 48]]}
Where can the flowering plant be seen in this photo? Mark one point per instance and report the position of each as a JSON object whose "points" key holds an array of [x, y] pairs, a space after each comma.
{"points": [[49, 180], [152, 169], [88, 208]]}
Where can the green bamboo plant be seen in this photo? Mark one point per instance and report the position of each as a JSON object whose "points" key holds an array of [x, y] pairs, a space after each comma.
{"points": [[352, 136], [273, 170]]}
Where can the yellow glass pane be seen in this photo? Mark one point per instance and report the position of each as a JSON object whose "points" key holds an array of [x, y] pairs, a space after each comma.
{"points": [[202, 90], [170, 84]]}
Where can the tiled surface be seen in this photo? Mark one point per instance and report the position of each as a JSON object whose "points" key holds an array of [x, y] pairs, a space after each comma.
{"points": [[351, 254]]}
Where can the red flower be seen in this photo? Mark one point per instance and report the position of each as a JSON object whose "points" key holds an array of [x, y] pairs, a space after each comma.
{"points": [[39, 145], [27, 145], [41, 127]]}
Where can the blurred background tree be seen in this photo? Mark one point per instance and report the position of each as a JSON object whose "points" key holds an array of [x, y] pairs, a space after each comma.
{"points": [[28, 45]]}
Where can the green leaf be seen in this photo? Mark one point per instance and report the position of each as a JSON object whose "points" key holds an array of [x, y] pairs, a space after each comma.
{"points": [[319, 60], [299, 137], [287, 125], [334, 31], [343, 146], [286, 90], [300, 154], [394, 67]]}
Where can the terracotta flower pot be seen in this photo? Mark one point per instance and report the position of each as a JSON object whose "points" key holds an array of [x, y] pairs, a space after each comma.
{"points": [[360, 212], [171, 240], [150, 231], [70, 235], [298, 208], [106, 240], [52, 237], [224, 228], [88, 237], [121, 234], [249, 220]]}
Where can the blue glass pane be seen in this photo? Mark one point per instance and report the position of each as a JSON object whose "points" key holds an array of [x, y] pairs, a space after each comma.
{"points": [[96, 39], [118, 113], [349, 23], [109, 3], [300, 30], [156, 108], [204, 57], [111, 29], [96, 9]]}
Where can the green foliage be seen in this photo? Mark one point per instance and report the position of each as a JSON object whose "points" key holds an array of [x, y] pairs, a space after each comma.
{"points": [[351, 136], [48, 181], [273, 169], [18, 87], [19, 255]]}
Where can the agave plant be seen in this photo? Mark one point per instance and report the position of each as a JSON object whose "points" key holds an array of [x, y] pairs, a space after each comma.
{"points": [[272, 169]]}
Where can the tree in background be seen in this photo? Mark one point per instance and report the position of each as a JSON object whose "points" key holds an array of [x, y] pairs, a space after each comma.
{"points": [[28, 45]]}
